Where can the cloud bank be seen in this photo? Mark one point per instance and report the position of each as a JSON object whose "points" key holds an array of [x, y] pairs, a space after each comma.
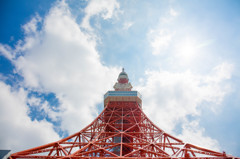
{"points": [[169, 99], [56, 58], [16, 127]]}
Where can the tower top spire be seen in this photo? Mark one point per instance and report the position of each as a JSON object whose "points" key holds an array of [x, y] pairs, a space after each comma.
{"points": [[123, 77], [123, 82]]}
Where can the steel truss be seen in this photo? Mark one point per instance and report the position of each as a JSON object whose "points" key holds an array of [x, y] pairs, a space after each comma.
{"points": [[122, 130]]}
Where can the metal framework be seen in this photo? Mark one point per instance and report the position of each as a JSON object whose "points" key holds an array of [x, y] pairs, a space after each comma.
{"points": [[121, 130]]}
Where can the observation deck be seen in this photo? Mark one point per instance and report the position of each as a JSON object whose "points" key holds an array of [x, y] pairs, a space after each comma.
{"points": [[130, 96]]}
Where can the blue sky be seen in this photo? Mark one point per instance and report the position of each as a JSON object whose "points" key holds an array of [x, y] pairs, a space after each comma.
{"points": [[58, 58]]}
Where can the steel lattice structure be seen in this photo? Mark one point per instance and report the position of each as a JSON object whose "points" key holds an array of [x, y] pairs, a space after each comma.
{"points": [[121, 130]]}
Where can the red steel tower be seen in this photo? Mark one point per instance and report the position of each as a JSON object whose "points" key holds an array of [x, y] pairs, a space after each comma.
{"points": [[121, 130]]}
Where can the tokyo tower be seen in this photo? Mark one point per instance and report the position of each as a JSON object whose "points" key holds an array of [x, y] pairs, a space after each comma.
{"points": [[121, 130]]}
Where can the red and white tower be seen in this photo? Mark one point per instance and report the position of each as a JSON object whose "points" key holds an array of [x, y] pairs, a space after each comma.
{"points": [[121, 130]]}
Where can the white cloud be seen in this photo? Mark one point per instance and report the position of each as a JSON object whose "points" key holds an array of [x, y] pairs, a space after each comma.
{"points": [[62, 59], [127, 25], [6, 51], [160, 40], [162, 37], [104, 8], [42, 105], [18, 132], [169, 17], [168, 98], [33, 101], [31, 27], [173, 12], [181, 46], [194, 134]]}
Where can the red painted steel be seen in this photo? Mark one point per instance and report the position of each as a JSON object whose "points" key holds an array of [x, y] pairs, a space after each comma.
{"points": [[122, 130]]}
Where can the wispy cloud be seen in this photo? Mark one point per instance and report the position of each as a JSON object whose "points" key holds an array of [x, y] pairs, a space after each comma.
{"points": [[106, 9], [160, 40], [161, 37], [192, 132], [127, 25], [173, 12]]}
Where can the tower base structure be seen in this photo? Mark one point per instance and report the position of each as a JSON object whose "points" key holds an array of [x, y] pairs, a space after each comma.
{"points": [[121, 130]]}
